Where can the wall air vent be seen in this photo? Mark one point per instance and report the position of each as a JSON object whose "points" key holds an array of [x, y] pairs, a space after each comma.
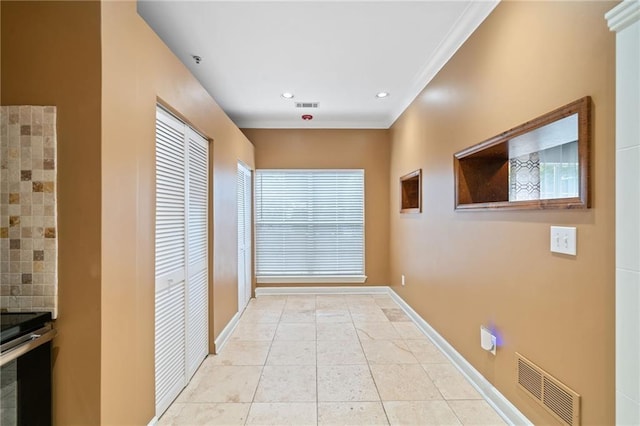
{"points": [[307, 104], [561, 401]]}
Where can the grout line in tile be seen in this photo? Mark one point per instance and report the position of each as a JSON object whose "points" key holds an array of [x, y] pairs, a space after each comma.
{"points": [[454, 412], [371, 373], [384, 409], [261, 370], [368, 363]]}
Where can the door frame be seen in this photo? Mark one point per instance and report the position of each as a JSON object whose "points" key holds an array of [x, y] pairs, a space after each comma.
{"points": [[245, 291]]}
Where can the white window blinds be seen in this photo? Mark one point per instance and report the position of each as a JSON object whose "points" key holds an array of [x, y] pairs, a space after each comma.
{"points": [[309, 226]]}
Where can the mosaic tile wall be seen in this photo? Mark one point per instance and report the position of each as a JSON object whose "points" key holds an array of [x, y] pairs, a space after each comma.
{"points": [[28, 227]]}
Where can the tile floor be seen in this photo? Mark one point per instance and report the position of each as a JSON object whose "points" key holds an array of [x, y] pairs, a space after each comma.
{"points": [[328, 360]]}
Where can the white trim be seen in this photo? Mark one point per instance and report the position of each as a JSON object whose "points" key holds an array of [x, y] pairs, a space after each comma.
{"points": [[499, 403], [503, 407], [311, 170], [381, 123], [623, 15], [624, 19], [465, 25], [286, 291], [245, 266], [309, 279], [224, 335], [460, 31], [153, 421]]}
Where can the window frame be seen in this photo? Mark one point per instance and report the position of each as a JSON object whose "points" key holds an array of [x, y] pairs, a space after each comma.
{"points": [[308, 278]]}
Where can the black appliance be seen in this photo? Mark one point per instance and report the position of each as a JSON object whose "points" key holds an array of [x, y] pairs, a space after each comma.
{"points": [[25, 363]]}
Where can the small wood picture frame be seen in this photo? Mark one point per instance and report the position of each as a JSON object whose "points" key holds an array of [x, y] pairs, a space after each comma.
{"points": [[411, 192]]}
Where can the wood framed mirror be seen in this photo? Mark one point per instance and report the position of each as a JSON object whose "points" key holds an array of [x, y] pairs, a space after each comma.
{"points": [[411, 192], [541, 164]]}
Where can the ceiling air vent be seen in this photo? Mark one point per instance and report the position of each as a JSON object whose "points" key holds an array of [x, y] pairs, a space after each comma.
{"points": [[549, 392], [307, 104]]}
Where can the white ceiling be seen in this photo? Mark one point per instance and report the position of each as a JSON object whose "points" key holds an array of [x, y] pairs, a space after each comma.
{"points": [[337, 53]]}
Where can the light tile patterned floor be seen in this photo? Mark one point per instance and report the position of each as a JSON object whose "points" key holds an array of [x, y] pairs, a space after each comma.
{"points": [[328, 360]]}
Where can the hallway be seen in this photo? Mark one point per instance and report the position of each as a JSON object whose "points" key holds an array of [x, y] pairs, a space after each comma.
{"points": [[328, 360]]}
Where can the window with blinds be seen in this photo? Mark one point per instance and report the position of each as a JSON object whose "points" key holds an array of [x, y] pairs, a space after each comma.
{"points": [[309, 226]]}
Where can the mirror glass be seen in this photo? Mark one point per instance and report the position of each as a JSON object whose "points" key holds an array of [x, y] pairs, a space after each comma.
{"points": [[543, 164]]}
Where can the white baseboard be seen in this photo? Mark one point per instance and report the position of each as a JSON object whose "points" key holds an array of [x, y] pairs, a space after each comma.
{"points": [[153, 422], [224, 335], [505, 409], [290, 291]]}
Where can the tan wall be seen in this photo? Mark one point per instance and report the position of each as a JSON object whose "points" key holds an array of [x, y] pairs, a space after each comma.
{"points": [[106, 93], [464, 269], [475, 267], [137, 68], [339, 149], [51, 56]]}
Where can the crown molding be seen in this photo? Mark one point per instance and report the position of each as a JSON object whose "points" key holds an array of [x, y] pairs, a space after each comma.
{"points": [[623, 15], [319, 124], [460, 31]]}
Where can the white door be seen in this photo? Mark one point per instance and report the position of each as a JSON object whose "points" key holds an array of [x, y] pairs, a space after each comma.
{"points": [[197, 253], [181, 300], [244, 236], [170, 341]]}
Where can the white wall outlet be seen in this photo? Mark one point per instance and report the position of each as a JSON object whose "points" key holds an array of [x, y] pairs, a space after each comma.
{"points": [[488, 340], [563, 240], [402, 281]]}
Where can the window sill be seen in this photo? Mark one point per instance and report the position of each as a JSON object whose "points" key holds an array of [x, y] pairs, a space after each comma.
{"points": [[307, 279]]}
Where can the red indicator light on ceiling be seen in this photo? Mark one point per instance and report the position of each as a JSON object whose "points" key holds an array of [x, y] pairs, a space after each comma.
{"points": [[307, 117]]}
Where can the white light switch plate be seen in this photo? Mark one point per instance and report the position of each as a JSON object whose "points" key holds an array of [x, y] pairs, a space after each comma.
{"points": [[563, 240]]}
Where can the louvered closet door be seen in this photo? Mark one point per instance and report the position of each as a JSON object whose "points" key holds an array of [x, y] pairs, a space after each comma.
{"points": [[170, 337], [244, 236], [197, 271], [248, 234]]}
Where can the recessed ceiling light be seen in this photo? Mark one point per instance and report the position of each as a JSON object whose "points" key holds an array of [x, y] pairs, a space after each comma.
{"points": [[287, 95], [381, 95]]}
